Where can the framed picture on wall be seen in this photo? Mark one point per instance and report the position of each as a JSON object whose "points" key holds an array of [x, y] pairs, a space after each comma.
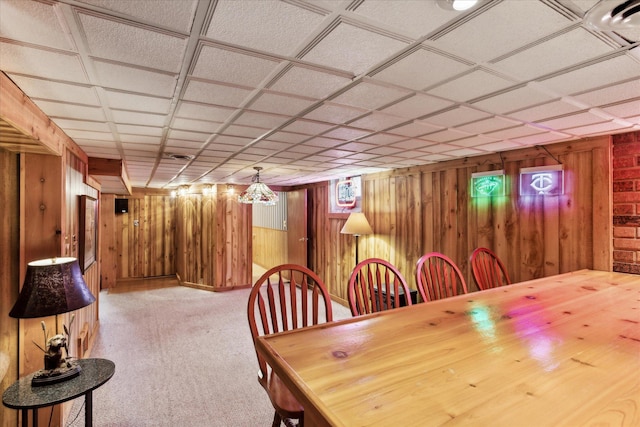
{"points": [[88, 241]]}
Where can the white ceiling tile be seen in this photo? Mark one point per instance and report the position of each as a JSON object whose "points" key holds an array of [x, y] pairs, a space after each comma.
{"points": [[381, 138], [611, 94], [475, 141], [440, 148], [625, 109], [456, 116], [83, 125], [501, 29], [71, 111], [421, 69], [54, 91], [135, 118], [135, 79], [346, 133], [352, 49], [498, 146], [446, 135], [571, 121], [262, 120], [41, 63], [154, 141], [195, 125], [232, 67], [267, 19], [465, 152], [209, 93], [544, 111], [413, 144], [117, 41], [85, 134], [203, 112], [247, 131], [413, 18], [280, 104], [307, 127], [356, 146], [335, 113], [370, 96], [542, 138], [512, 100], [32, 22], [188, 136], [594, 76], [140, 130], [305, 81], [377, 121], [177, 15], [417, 106], [598, 129], [558, 53], [514, 132], [121, 100], [471, 85], [487, 125], [414, 129]]}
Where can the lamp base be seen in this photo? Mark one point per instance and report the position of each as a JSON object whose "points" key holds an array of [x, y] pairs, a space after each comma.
{"points": [[57, 375]]}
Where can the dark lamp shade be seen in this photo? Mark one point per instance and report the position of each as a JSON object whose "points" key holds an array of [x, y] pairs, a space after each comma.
{"points": [[52, 286]]}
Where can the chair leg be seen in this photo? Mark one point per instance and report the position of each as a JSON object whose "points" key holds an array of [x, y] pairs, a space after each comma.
{"points": [[277, 420]]}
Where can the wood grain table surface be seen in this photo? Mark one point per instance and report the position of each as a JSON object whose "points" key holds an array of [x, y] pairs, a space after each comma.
{"points": [[557, 351]]}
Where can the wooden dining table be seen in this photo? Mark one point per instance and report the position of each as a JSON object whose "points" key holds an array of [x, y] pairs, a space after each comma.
{"points": [[557, 351]]}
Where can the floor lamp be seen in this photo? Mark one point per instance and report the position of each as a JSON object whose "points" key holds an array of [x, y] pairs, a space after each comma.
{"points": [[357, 225]]}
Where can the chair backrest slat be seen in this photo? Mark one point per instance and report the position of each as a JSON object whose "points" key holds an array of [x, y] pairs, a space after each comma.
{"points": [[281, 304], [488, 270], [438, 277], [374, 286]]}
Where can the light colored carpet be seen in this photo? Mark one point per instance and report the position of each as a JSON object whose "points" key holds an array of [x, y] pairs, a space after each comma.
{"points": [[183, 357]]}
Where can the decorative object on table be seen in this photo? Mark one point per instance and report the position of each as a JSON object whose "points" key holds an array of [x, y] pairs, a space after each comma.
{"points": [[51, 287], [357, 225], [258, 192]]}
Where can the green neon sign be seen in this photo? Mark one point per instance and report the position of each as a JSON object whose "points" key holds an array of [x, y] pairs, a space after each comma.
{"points": [[488, 184]]}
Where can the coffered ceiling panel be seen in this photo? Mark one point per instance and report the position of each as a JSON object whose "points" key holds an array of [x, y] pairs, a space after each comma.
{"points": [[316, 89]]}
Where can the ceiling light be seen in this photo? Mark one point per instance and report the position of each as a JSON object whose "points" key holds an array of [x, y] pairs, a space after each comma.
{"points": [[258, 192], [457, 5], [612, 15]]}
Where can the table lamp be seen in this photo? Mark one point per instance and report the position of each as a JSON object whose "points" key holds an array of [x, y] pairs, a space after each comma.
{"points": [[51, 287], [357, 225]]}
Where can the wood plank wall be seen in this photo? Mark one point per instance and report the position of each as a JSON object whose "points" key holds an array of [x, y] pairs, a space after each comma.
{"points": [[418, 210], [143, 238], [269, 247], [9, 273], [214, 244]]}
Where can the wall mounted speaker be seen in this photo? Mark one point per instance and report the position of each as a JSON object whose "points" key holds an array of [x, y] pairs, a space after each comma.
{"points": [[122, 205]]}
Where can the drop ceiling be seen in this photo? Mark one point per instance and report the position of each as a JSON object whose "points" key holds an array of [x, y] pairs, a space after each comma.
{"points": [[201, 91]]}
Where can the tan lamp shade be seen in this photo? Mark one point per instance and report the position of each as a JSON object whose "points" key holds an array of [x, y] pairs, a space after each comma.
{"points": [[357, 224]]}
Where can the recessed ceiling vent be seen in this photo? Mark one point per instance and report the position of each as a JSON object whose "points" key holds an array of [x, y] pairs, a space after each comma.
{"points": [[614, 15], [183, 157]]}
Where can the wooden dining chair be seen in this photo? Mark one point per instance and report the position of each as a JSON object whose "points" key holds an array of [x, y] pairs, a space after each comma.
{"points": [[284, 298], [438, 277], [376, 285], [488, 271]]}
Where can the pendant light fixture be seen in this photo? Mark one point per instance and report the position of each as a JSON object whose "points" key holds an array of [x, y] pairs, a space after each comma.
{"points": [[258, 192]]}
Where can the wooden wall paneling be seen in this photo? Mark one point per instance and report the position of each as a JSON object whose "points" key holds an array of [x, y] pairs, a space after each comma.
{"points": [[9, 273], [209, 232], [428, 208], [108, 246], [531, 221], [602, 207], [449, 211], [409, 226], [269, 247], [463, 232]]}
